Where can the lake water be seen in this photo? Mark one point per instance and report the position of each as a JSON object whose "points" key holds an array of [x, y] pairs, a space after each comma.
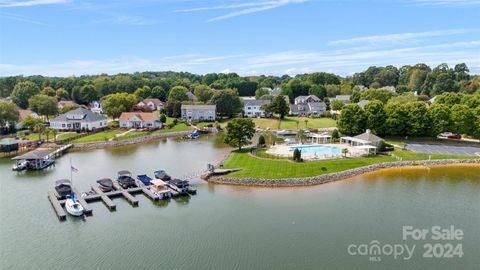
{"points": [[229, 227]]}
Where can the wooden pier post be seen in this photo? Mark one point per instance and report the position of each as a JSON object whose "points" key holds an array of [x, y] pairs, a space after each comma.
{"points": [[57, 206]]}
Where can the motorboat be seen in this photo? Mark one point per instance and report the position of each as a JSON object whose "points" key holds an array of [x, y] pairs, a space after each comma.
{"points": [[63, 187], [181, 186], [105, 184], [160, 188], [20, 166], [194, 135], [162, 175], [286, 132], [125, 179], [73, 207], [145, 179]]}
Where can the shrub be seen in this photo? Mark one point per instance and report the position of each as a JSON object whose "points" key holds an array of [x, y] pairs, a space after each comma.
{"points": [[163, 118], [297, 155], [113, 124], [383, 147], [335, 135]]}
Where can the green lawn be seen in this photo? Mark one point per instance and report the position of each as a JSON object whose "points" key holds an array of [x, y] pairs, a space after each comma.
{"points": [[111, 134], [274, 169], [290, 122]]}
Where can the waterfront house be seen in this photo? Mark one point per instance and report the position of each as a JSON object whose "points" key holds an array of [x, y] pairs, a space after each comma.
{"points": [[22, 114], [149, 120], [96, 107], [153, 104], [79, 119], [199, 112], [64, 103], [308, 105], [253, 107]]}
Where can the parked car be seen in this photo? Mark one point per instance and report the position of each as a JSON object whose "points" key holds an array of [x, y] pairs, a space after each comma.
{"points": [[445, 134], [454, 136]]}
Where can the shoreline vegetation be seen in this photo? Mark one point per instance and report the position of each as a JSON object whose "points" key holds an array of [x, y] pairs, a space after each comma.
{"points": [[337, 176]]}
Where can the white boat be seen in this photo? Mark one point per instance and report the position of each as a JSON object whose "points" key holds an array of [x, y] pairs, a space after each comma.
{"points": [[159, 188], [73, 207], [286, 132], [20, 166]]}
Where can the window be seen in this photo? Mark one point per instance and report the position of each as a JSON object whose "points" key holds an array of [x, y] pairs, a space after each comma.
{"points": [[249, 108], [63, 125]]}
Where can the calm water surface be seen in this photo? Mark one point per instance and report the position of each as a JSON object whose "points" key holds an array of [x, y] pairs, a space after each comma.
{"points": [[228, 227]]}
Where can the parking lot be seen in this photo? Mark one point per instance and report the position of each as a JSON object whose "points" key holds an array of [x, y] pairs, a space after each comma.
{"points": [[444, 149]]}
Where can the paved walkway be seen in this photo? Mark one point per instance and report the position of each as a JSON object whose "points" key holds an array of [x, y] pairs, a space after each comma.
{"points": [[444, 149]]}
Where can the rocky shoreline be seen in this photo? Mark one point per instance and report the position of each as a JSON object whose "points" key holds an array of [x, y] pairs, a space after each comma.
{"points": [[331, 177], [95, 145]]}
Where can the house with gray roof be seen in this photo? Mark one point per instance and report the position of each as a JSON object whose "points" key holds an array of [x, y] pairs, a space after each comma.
{"points": [[79, 119], [308, 105], [343, 98], [253, 107], [197, 112]]}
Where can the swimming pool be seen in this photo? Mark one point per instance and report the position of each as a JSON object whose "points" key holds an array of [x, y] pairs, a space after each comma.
{"points": [[317, 149]]}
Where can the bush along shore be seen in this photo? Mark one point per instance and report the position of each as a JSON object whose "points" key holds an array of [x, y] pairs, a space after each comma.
{"points": [[330, 177], [94, 145]]}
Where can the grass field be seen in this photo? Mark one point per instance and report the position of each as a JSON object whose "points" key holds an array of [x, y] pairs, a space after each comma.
{"points": [[111, 134], [274, 169], [291, 122]]}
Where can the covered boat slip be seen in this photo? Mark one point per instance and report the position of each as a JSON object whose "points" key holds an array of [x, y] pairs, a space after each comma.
{"points": [[41, 158]]}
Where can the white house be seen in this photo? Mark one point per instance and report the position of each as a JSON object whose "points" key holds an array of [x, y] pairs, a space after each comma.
{"points": [[308, 105], [153, 104], [199, 112], [96, 107], [140, 120], [253, 107], [79, 119]]}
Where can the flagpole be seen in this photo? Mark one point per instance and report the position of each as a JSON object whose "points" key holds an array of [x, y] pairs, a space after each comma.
{"points": [[71, 173]]}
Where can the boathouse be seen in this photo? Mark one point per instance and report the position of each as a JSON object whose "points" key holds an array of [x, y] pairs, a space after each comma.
{"points": [[8, 145], [37, 159]]}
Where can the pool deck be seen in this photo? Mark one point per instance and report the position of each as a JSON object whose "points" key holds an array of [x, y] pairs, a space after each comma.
{"points": [[284, 150]]}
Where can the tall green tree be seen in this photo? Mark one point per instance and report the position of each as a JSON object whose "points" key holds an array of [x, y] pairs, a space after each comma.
{"points": [[114, 104], [376, 117], [159, 92], [397, 119], [228, 102], [463, 119], [22, 92], [143, 92], [278, 105], [31, 122], [178, 93], [418, 120], [8, 113], [352, 120], [88, 94], [318, 90], [43, 105], [379, 94], [239, 132], [440, 117], [203, 93], [337, 105]]}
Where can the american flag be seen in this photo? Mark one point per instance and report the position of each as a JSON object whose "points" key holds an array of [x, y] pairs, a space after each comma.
{"points": [[73, 169]]}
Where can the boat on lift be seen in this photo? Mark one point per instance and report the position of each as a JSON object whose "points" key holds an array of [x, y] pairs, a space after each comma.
{"points": [[125, 179], [105, 184], [162, 175], [73, 207], [63, 188], [145, 179], [160, 188]]}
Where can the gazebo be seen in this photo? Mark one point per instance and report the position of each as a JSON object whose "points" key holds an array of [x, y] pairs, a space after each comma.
{"points": [[324, 138], [8, 145], [367, 138], [367, 148]]}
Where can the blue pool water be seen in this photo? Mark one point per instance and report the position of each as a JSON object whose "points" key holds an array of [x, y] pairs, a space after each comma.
{"points": [[317, 149]]}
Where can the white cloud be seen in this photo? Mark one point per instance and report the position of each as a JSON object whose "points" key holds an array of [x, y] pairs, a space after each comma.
{"points": [[244, 8], [400, 38], [13, 3]]}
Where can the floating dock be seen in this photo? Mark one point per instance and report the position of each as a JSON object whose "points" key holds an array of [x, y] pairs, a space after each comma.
{"points": [[96, 194]]}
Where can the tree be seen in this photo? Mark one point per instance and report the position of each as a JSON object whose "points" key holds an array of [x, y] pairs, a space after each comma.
{"points": [[418, 121], [444, 83], [228, 102], [31, 122], [380, 94], [62, 94], [203, 93], [174, 108], [69, 108], [48, 91], [337, 105], [239, 132], [22, 92], [440, 119], [159, 92], [476, 132], [355, 96], [404, 98], [461, 72], [352, 120], [278, 105], [397, 117], [143, 92], [463, 119], [261, 92], [40, 129], [178, 93], [8, 113], [319, 90], [335, 135], [43, 105], [88, 94], [449, 99], [163, 118], [376, 116], [301, 135], [297, 155], [296, 87], [114, 104]]}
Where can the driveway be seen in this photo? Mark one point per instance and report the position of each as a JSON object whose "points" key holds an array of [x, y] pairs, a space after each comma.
{"points": [[444, 149]]}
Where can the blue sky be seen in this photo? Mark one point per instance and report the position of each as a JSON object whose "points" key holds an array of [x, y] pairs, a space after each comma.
{"points": [[73, 37]]}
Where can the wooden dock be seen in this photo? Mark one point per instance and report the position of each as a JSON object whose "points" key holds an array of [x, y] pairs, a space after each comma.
{"points": [[128, 196], [106, 197]]}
